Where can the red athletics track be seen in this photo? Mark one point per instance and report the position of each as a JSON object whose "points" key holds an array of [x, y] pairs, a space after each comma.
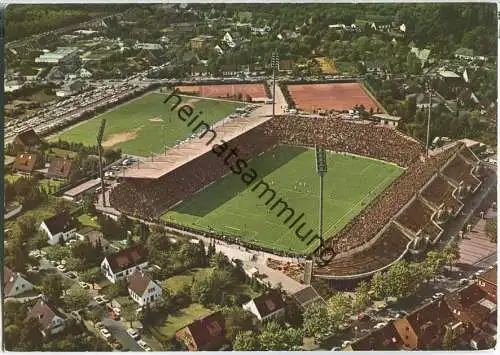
{"points": [[225, 91], [331, 96]]}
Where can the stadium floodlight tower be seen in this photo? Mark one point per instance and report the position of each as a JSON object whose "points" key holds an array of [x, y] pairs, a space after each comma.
{"points": [[275, 62], [100, 134], [325, 253], [429, 90]]}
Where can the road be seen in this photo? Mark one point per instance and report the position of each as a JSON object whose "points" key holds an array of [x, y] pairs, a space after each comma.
{"points": [[119, 332]]}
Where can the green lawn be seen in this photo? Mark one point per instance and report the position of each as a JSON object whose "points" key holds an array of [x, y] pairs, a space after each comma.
{"points": [[87, 220], [12, 178], [185, 316], [54, 184], [63, 153], [178, 282], [229, 207], [144, 125]]}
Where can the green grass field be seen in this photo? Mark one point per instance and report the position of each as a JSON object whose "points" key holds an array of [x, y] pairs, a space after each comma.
{"points": [[229, 207], [142, 126]]}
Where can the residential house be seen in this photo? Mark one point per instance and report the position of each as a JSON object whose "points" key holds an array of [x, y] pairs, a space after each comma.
{"points": [[487, 281], [26, 163], [384, 339], [468, 54], [14, 283], [201, 41], [421, 54], [472, 307], [307, 296], [95, 238], [60, 168], [286, 65], [199, 70], [267, 306], [122, 264], [386, 119], [207, 333], [231, 39], [229, 70], [26, 140], [424, 329], [422, 100], [70, 88], [142, 289], [51, 322], [218, 49], [84, 73], [148, 46], [62, 226]]}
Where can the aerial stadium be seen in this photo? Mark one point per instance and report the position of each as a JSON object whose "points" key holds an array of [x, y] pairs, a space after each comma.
{"points": [[247, 181]]}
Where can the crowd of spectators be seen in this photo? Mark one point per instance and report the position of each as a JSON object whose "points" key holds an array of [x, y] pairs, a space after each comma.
{"points": [[369, 140], [459, 170], [375, 216], [417, 216], [148, 198], [439, 192]]}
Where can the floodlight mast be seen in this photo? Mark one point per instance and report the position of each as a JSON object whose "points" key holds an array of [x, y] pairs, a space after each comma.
{"points": [[321, 169], [275, 65], [429, 89], [100, 134]]}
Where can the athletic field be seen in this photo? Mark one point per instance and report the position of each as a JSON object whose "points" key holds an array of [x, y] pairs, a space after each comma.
{"points": [[143, 126], [230, 207]]}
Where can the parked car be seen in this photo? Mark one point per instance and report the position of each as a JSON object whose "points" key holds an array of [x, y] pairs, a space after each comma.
{"points": [[463, 281], [346, 342], [99, 300], [380, 325], [84, 285], [99, 325], [71, 275], [105, 333], [133, 333], [35, 268], [61, 268], [363, 316], [437, 296], [336, 348], [144, 345], [401, 314]]}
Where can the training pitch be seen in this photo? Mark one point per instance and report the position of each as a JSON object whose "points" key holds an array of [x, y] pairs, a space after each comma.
{"points": [[144, 125], [230, 207]]}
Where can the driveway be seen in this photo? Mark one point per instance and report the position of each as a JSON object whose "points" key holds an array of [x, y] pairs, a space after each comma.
{"points": [[119, 331]]}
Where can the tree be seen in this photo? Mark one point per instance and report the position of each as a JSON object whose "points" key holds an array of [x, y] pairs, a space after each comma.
{"points": [[246, 341], [27, 227], [317, 321], [275, 338], [452, 254], [76, 299], [94, 315], [400, 279], [52, 287], [238, 320], [157, 243], [339, 307], [379, 285], [491, 229], [91, 276], [362, 298], [129, 313], [449, 342]]}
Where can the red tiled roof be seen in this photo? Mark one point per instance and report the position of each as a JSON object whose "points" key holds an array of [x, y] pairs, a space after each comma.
{"points": [[268, 303], [138, 282], [9, 277], [489, 276], [28, 138], [127, 258], [386, 338], [428, 320], [25, 162], [42, 313], [60, 167], [208, 331]]}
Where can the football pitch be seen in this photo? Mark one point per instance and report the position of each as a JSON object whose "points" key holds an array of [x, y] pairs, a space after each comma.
{"points": [[230, 207], [144, 125]]}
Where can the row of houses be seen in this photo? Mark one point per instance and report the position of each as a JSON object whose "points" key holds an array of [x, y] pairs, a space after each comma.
{"points": [[469, 314]]}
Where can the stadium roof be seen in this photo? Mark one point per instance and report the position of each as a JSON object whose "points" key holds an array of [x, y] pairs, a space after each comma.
{"points": [[192, 149]]}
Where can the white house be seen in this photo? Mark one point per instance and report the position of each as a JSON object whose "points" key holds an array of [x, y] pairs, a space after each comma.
{"points": [[122, 264], [50, 321], [267, 306], [59, 226], [142, 289], [229, 40], [14, 284]]}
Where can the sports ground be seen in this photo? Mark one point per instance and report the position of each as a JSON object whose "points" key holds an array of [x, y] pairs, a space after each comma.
{"points": [[144, 125], [332, 96], [255, 91], [229, 207]]}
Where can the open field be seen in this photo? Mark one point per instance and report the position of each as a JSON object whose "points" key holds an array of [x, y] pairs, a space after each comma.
{"points": [[228, 207], [144, 125], [226, 91], [183, 317], [331, 96]]}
